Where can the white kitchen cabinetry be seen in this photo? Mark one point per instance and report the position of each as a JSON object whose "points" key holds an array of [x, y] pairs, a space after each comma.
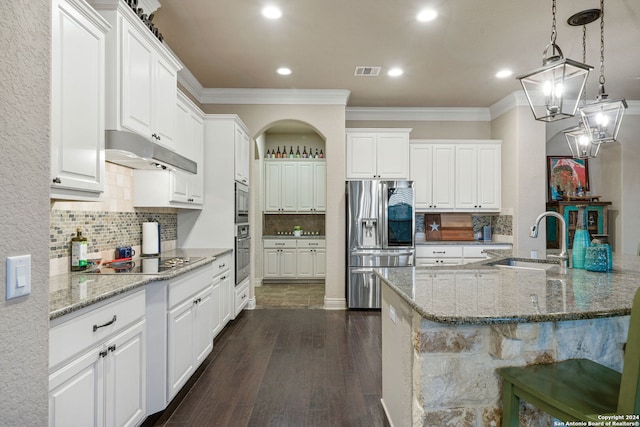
{"points": [[295, 185], [141, 77], [280, 257], [223, 284], [97, 362], [474, 253], [242, 147], [377, 153], [433, 175], [176, 188], [311, 259], [478, 175], [189, 326], [77, 100], [241, 297], [438, 255]]}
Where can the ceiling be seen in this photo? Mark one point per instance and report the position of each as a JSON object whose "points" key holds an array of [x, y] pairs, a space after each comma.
{"points": [[449, 62]]}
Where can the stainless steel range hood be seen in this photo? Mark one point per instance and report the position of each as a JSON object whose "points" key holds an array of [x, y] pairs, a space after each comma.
{"points": [[136, 152]]}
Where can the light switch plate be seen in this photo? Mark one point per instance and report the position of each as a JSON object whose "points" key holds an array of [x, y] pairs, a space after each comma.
{"points": [[18, 276]]}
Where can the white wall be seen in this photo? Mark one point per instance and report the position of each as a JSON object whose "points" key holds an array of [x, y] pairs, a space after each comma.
{"points": [[24, 211]]}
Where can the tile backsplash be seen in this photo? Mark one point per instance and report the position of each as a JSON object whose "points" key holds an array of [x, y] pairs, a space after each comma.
{"points": [[285, 222]]}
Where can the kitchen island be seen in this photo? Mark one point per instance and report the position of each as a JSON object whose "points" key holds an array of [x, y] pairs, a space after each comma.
{"points": [[445, 331]]}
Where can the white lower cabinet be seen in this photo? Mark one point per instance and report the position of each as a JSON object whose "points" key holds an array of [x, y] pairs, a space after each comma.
{"points": [[223, 293], [311, 259], [429, 255], [294, 259], [97, 366], [190, 326]]}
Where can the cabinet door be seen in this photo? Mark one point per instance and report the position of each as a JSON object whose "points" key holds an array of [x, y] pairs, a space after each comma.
{"points": [[77, 100], [289, 187], [179, 190], [204, 324], [443, 177], [304, 263], [196, 137], [125, 378], [164, 103], [137, 81], [421, 174], [305, 187], [392, 151], [227, 299], [361, 156], [216, 316], [320, 187], [320, 263], [271, 263], [288, 263], [489, 176], [76, 392], [272, 190], [180, 343], [242, 146], [466, 177]]}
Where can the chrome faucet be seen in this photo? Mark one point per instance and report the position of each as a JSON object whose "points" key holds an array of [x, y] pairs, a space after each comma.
{"points": [[563, 256]]}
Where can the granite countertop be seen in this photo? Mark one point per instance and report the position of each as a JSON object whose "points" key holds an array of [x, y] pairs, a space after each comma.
{"points": [[460, 243], [479, 293], [76, 290], [291, 236]]}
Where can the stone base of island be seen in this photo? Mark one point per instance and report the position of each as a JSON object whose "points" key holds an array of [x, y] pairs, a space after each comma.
{"points": [[445, 331]]}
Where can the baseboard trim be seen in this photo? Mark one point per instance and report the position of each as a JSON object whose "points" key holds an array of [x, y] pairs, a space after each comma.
{"points": [[386, 413], [335, 303], [251, 305]]}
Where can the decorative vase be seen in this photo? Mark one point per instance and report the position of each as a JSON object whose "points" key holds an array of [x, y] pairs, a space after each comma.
{"points": [[581, 239]]}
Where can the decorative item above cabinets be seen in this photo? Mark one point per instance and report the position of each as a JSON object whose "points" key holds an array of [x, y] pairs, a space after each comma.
{"points": [[141, 76], [456, 175], [377, 153], [78, 36]]}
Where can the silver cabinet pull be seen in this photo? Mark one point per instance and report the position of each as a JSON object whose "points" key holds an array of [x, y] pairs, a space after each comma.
{"points": [[96, 327]]}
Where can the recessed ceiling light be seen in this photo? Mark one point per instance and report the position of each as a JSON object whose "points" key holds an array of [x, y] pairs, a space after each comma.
{"points": [[504, 74], [395, 72], [271, 12], [284, 71], [427, 15]]}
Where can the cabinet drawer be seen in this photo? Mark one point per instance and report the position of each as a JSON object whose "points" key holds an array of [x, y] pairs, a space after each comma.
{"points": [[438, 251], [222, 263], [475, 252], [311, 243], [279, 243], [71, 337], [189, 284], [241, 297]]}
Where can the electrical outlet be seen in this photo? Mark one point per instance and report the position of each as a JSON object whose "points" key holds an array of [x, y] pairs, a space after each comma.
{"points": [[534, 254]]}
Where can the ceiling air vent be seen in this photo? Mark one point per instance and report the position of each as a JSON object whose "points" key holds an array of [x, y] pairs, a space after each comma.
{"points": [[367, 71]]}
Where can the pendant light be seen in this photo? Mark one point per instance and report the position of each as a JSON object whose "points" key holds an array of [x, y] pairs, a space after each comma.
{"points": [[579, 138], [603, 118], [554, 90]]}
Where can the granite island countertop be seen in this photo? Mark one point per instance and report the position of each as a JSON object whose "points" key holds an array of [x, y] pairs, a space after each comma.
{"points": [[77, 290], [480, 293]]}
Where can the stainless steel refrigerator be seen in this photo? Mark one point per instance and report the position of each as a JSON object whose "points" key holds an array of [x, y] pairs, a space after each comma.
{"points": [[380, 233]]}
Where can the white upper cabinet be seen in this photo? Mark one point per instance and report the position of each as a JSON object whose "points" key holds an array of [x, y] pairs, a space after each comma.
{"points": [[295, 185], [242, 146], [433, 173], [141, 77], [460, 175], [478, 172], [77, 101], [377, 153]]}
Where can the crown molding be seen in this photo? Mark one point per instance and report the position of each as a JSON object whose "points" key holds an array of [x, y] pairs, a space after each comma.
{"points": [[508, 103], [275, 96], [188, 81], [419, 114]]}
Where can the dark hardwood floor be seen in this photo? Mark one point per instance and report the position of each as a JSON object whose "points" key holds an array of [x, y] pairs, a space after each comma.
{"points": [[287, 367]]}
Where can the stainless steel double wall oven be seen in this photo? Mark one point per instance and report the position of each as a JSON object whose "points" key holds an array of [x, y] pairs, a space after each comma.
{"points": [[243, 239]]}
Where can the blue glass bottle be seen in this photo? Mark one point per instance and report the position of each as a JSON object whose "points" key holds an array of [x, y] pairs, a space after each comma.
{"points": [[581, 239]]}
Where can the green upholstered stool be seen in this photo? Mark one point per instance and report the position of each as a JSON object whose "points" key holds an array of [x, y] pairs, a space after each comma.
{"points": [[577, 389]]}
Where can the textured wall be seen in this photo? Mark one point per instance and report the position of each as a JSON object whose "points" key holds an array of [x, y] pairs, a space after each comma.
{"points": [[24, 207]]}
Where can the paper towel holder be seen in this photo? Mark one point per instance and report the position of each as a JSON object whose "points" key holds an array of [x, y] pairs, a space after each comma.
{"points": [[151, 239]]}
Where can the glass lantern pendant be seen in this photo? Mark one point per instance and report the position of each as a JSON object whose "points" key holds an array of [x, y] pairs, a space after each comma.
{"points": [[603, 119], [579, 140], [554, 90]]}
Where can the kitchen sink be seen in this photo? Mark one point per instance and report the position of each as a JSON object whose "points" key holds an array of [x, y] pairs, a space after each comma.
{"points": [[524, 264]]}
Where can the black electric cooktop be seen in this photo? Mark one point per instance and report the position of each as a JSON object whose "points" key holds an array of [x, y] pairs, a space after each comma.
{"points": [[153, 265]]}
